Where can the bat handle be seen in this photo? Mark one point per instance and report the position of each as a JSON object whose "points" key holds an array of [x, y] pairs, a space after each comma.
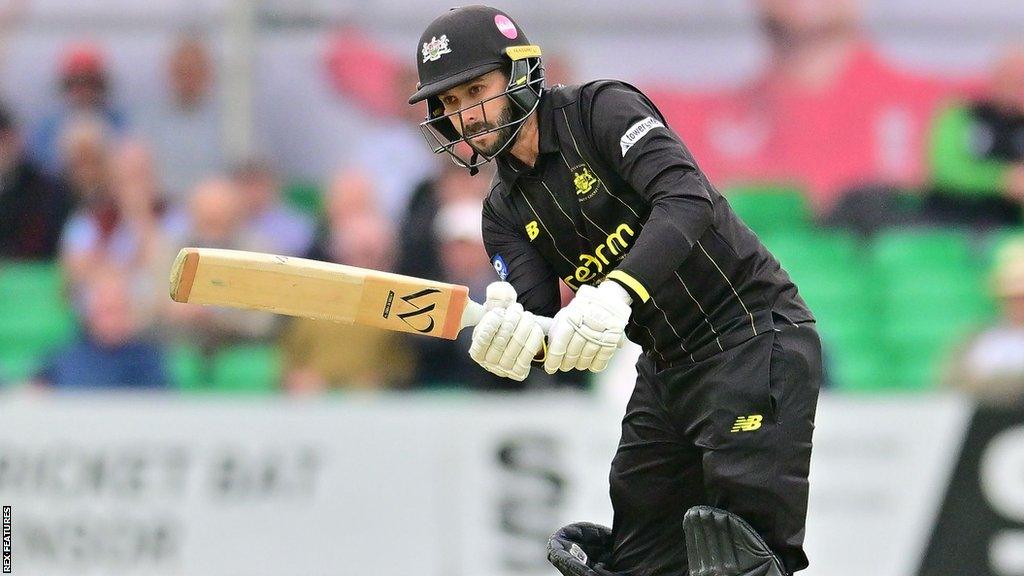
{"points": [[545, 323], [474, 312]]}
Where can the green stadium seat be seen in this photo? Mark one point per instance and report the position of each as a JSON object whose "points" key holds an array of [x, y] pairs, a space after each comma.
{"points": [[850, 332], [826, 266], [831, 271], [918, 359], [899, 250], [858, 368], [36, 328], [16, 366], [953, 308], [185, 366], [770, 208], [812, 248], [305, 196], [847, 327], [246, 368], [25, 278], [931, 291], [34, 316], [920, 339]]}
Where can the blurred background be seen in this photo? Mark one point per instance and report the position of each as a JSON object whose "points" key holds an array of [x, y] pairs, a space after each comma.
{"points": [[876, 147]]}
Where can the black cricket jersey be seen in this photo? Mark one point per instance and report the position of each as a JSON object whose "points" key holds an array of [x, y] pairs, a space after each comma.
{"points": [[615, 194]]}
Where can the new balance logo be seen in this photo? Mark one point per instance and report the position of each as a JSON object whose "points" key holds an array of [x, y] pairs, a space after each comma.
{"points": [[532, 230], [747, 423]]}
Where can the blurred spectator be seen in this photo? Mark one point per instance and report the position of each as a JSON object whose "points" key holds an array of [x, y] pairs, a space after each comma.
{"points": [[977, 153], [418, 253], [215, 219], [32, 212], [282, 228], [118, 219], [110, 352], [85, 153], [397, 157], [85, 86], [185, 126], [991, 364], [87, 178], [458, 230], [320, 356], [828, 112], [118, 222], [351, 195]]}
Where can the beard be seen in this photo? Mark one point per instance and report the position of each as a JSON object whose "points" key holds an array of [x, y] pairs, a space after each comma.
{"points": [[501, 136]]}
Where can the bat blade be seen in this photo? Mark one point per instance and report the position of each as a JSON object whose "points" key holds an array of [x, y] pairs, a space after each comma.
{"points": [[321, 290]]}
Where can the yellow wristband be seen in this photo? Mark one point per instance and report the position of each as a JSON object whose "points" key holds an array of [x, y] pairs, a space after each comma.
{"points": [[631, 283]]}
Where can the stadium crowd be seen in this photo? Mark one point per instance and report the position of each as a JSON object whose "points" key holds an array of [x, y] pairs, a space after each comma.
{"points": [[888, 194]]}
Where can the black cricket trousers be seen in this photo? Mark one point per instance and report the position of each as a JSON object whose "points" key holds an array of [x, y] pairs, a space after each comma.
{"points": [[732, 431]]}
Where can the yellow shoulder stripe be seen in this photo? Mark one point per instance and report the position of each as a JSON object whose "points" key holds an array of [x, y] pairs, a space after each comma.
{"points": [[632, 283]]}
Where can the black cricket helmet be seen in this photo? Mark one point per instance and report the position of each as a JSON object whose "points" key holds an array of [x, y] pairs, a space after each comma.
{"points": [[460, 45]]}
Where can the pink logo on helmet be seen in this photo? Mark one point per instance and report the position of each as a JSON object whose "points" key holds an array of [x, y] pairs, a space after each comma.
{"points": [[506, 27]]}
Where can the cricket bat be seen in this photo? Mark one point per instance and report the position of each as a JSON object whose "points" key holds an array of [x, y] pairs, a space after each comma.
{"points": [[323, 291]]}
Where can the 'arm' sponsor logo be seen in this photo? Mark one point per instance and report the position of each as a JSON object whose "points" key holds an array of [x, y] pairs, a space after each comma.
{"points": [[592, 265]]}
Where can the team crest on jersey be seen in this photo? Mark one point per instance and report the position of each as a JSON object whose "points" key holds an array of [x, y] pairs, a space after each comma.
{"points": [[436, 48], [585, 182]]}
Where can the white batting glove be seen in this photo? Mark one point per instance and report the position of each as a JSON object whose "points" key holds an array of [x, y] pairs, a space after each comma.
{"points": [[507, 338], [499, 295], [586, 333]]}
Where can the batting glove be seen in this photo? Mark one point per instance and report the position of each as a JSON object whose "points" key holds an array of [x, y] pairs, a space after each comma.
{"points": [[581, 549], [507, 338], [586, 333]]}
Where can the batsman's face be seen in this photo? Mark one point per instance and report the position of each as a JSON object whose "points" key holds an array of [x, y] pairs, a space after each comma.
{"points": [[480, 110]]}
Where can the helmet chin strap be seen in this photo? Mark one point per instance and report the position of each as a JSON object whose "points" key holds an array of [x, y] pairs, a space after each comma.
{"points": [[474, 169]]}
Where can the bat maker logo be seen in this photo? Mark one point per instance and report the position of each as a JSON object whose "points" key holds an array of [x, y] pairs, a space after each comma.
{"points": [[410, 316]]}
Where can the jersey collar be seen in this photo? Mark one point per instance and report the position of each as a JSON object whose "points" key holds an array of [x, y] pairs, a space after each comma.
{"points": [[509, 168], [546, 126]]}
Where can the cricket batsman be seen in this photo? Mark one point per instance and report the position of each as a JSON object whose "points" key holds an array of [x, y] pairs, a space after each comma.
{"points": [[594, 189]]}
